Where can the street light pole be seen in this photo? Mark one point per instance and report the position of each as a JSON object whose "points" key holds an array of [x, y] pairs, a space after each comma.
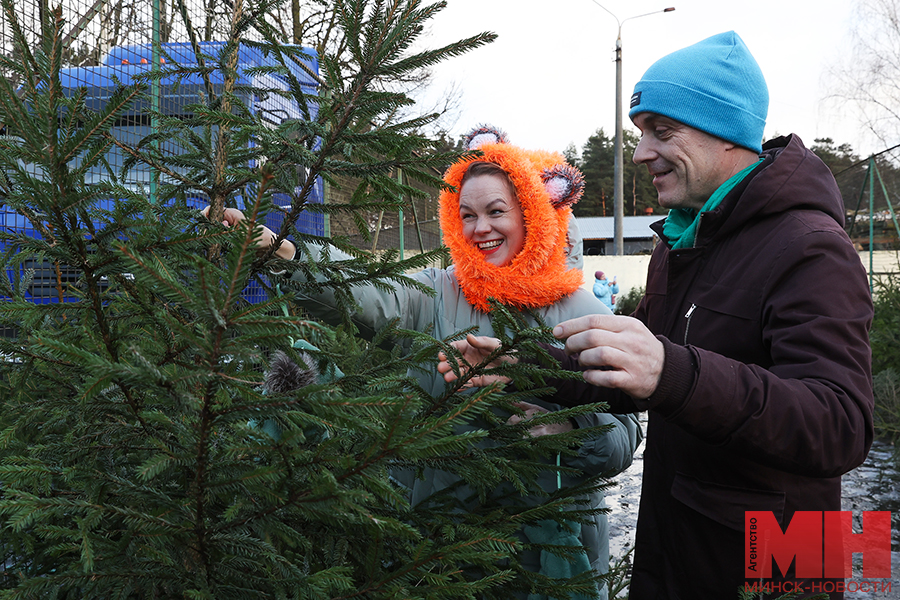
{"points": [[618, 168]]}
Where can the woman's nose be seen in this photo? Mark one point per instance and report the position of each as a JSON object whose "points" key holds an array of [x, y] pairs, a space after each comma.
{"points": [[482, 225]]}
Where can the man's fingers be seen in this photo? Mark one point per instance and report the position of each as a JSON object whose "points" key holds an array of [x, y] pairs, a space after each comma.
{"points": [[571, 327], [607, 379], [603, 350]]}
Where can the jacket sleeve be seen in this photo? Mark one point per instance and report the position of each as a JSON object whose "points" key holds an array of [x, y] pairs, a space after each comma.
{"points": [[376, 307], [808, 412], [575, 392], [610, 453], [607, 453]]}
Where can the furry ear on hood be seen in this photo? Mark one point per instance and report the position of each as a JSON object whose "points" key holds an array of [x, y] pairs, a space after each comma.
{"points": [[564, 184], [284, 375], [484, 134], [546, 188]]}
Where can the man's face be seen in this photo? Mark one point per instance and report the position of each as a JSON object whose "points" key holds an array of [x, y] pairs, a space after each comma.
{"points": [[687, 165]]}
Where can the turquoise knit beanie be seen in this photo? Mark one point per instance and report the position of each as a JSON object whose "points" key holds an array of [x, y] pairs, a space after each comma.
{"points": [[715, 86]]}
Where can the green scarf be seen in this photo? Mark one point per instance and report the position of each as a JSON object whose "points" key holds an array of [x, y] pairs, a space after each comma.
{"points": [[681, 223]]}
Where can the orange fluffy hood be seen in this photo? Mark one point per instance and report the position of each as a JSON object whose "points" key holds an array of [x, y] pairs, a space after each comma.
{"points": [[546, 188]]}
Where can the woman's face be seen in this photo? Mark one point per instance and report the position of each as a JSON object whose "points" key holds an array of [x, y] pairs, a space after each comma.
{"points": [[492, 218]]}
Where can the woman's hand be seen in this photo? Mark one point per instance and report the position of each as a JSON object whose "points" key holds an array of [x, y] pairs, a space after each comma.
{"points": [[233, 216], [533, 410], [475, 349]]}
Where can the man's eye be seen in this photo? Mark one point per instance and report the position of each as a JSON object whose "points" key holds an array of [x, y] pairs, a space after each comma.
{"points": [[662, 132]]}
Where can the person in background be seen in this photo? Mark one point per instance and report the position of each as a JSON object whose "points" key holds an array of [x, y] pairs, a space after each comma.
{"points": [[755, 370], [507, 222], [605, 290]]}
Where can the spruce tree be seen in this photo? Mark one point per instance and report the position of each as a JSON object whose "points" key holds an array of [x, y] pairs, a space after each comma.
{"points": [[164, 438]]}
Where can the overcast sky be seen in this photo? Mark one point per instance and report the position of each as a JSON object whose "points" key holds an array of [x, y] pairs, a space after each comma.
{"points": [[549, 78]]}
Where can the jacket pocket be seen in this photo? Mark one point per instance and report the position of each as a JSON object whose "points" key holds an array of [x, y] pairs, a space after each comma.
{"points": [[725, 504], [728, 300], [726, 321]]}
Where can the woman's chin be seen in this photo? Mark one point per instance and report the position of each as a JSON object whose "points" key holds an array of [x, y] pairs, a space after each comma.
{"points": [[496, 260]]}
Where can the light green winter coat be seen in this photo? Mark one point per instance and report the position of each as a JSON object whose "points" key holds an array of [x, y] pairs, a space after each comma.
{"points": [[543, 275], [448, 312]]}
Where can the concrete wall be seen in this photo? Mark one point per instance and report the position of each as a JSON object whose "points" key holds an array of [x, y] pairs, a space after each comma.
{"points": [[631, 271], [883, 261]]}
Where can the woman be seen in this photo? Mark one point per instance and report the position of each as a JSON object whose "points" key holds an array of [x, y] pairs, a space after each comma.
{"points": [[605, 290], [507, 230]]}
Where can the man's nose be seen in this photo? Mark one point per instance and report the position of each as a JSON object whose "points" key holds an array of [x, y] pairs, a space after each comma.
{"points": [[642, 152]]}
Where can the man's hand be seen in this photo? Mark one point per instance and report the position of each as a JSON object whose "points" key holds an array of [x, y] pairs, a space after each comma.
{"points": [[626, 355], [233, 216], [474, 349], [532, 410]]}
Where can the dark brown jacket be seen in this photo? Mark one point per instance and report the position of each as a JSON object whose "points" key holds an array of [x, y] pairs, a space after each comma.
{"points": [[766, 395]]}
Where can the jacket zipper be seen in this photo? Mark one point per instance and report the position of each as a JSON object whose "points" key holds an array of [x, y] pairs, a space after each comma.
{"points": [[687, 315], [687, 326]]}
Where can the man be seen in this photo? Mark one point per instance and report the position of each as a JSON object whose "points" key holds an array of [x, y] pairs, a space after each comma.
{"points": [[754, 367]]}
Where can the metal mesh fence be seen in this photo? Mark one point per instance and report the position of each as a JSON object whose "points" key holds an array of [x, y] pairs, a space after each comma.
{"points": [[871, 189], [413, 230], [109, 43], [95, 27]]}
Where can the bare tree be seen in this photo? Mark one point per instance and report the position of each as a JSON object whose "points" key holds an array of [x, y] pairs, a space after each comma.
{"points": [[313, 23], [95, 26], [869, 79], [119, 22]]}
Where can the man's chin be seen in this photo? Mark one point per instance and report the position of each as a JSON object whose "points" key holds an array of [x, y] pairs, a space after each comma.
{"points": [[665, 201]]}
